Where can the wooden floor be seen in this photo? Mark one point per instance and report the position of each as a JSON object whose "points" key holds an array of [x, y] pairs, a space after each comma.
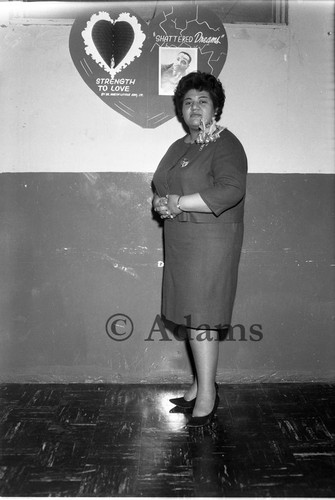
{"points": [[122, 440]]}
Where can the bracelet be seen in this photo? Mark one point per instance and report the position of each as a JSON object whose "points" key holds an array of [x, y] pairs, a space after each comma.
{"points": [[178, 204]]}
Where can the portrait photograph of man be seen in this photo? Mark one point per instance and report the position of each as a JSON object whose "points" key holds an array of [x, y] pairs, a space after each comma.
{"points": [[174, 63]]}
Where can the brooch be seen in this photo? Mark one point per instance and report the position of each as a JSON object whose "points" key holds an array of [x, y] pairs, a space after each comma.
{"points": [[184, 162]]}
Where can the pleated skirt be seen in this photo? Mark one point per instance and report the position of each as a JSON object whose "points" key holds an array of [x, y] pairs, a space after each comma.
{"points": [[200, 272]]}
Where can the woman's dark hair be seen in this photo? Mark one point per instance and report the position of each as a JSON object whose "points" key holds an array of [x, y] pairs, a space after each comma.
{"points": [[199, 81]]}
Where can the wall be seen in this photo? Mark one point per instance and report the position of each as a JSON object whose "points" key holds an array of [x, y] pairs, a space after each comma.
{"points": [[78, 241]]}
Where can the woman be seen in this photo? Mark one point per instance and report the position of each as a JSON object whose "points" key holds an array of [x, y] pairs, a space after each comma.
{"points": [[199, 190]]}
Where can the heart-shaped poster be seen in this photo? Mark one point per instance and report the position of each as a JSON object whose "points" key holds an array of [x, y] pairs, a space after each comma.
{"points": [[134, 67], [113, 44]]}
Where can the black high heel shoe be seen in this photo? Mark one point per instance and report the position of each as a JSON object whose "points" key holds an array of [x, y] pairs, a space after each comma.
{"points": [[184, 403], [195, 422]]}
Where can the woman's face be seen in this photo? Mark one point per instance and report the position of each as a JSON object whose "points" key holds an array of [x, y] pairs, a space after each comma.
{"points": [[197, 106]]}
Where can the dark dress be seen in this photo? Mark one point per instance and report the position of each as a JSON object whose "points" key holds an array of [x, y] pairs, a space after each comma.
{"points": [[202, 250]]}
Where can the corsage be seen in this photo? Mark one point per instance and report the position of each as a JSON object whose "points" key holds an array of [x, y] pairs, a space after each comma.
{"points": [[208, 133]]}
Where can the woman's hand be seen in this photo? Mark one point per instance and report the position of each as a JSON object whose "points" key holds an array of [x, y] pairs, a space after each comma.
{"points": [[166, 206], [160, 205]]}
